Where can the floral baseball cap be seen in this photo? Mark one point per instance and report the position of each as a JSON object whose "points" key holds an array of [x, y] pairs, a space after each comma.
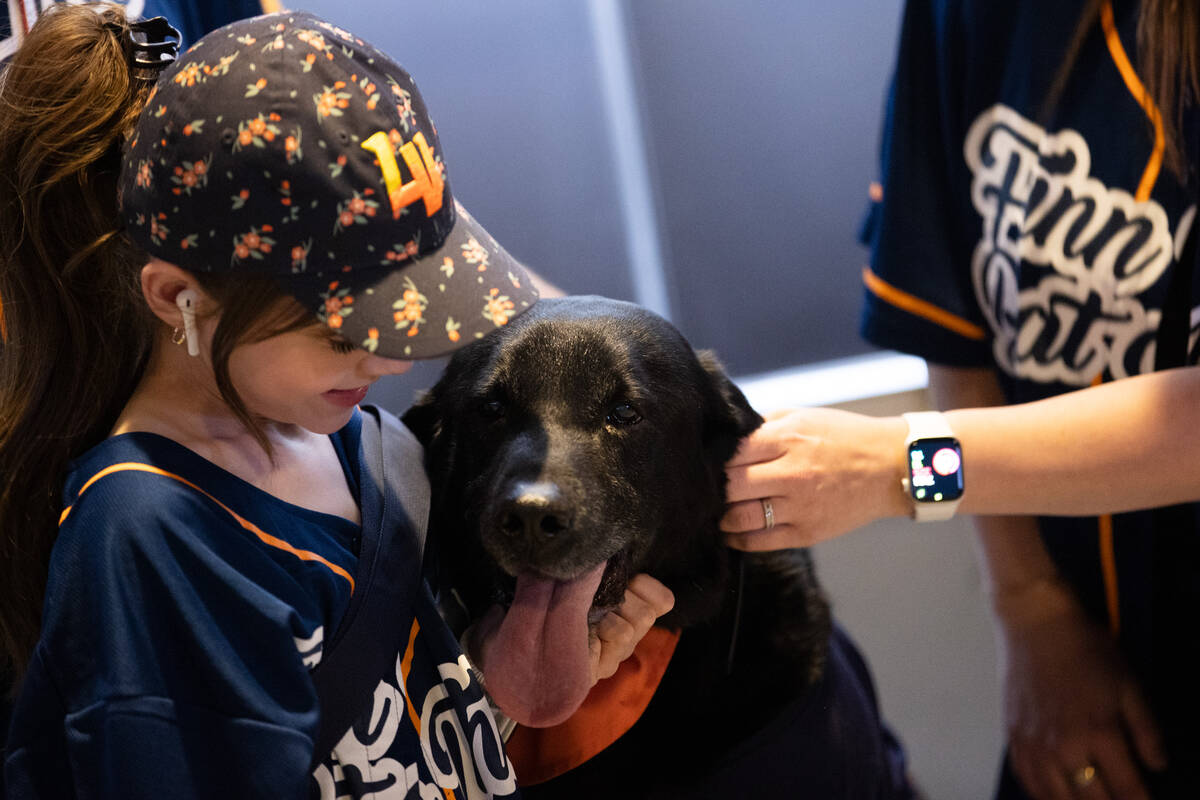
{"points": [[285, 146]]}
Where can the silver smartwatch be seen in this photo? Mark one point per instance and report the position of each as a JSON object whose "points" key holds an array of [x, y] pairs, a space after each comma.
{"points": [[935, 468]]}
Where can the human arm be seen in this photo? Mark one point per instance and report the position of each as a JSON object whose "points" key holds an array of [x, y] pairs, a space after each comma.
{"points": [[1069, 700], [1124, 445]]}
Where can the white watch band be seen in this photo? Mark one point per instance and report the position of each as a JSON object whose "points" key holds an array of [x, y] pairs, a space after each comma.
{"points": [[929, 425]]}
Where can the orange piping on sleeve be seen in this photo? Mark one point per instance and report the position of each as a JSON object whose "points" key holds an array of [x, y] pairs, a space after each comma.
{"points": [[921, 308], [266, 538], [1108, 561], [1138, 90]]}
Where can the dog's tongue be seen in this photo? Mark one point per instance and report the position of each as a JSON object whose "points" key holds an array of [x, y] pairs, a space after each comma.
{"points": [[536, 664]]}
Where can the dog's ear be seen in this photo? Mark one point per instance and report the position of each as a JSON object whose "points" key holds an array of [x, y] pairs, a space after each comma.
{"points": [[729, 416], [424, 418]]}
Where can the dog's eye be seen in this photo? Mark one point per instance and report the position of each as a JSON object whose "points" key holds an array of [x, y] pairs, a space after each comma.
{"points": [[491, 409], [623, 414]]}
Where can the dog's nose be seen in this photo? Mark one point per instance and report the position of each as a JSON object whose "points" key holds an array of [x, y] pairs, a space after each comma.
{"points": [[536, 511]]}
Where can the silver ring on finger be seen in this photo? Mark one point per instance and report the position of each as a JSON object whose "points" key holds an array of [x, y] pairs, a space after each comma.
{"points": [[768, 514]]}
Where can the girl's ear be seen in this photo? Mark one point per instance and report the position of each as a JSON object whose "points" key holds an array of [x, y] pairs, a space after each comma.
{"points": [[162, 282]]}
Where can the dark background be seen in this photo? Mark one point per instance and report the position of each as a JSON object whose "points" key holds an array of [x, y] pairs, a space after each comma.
{"points": [[747, 128]]}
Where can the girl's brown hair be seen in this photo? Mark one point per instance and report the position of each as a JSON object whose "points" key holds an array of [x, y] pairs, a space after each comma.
{"points": [[77, 332], [1168, 43]]}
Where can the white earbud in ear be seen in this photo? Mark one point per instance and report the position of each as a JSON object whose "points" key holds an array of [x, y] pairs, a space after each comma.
{"points": [[186, 300]]}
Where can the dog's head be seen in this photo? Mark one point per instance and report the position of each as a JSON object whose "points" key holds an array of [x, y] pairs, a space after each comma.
{"points": [[584, 440]]}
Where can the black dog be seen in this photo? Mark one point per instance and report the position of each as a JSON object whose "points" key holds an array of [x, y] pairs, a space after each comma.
{"points": [[581, 444]]}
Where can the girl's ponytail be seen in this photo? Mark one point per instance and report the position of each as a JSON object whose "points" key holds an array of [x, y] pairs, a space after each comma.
{"points": [[76, 332]]}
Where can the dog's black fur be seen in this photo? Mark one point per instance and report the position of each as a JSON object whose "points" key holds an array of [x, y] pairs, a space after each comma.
{"points": [[624, 430]]}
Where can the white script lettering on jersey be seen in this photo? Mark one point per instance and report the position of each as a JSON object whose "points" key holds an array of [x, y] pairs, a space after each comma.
{"points": [[311, 647], [1100, 248], [467, 759]]}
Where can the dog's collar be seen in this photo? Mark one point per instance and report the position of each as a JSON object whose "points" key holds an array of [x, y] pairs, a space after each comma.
{"points": [[611, 708]]}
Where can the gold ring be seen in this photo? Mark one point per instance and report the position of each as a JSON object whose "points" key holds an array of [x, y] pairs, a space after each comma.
{"points": [[1084, 776], [768, 514]]}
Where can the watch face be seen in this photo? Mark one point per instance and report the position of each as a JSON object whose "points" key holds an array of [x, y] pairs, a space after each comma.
{"points": [[935, 470]]}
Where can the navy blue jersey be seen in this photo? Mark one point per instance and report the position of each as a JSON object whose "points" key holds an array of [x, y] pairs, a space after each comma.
{"points": [[184, 611], [1041, 239]]}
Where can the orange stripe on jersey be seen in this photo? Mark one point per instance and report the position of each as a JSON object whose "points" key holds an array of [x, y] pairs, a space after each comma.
{"points": [[1108, 561], [266, 538], [922, 308], [1138, 90], [1108, 567], [405, 668]]}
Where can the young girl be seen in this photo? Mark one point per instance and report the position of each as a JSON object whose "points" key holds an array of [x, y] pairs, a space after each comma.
{"points": [[182, 474]]}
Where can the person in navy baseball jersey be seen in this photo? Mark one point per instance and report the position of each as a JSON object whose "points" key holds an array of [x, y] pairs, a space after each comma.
{"points": [[1030, 240], [1032, 235], [212, 257]]}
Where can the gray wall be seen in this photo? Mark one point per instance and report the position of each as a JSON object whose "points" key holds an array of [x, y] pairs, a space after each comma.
{"points": [[753, 127], [756, 122]]}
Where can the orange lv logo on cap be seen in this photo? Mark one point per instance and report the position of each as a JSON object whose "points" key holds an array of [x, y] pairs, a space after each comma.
{"points": [[426, 183]]}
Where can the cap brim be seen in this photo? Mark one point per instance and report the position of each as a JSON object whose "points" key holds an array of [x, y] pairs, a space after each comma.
{"points": [[423, 307]]}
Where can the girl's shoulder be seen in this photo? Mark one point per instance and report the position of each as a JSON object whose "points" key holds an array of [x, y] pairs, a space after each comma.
{"points": [[141, 502]]}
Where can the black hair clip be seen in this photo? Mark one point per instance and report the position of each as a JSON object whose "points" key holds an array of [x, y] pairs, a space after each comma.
{"points": [[150, 45]]}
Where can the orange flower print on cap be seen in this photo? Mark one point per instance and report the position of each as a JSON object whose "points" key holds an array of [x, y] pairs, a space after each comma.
{"points": [[222, 67], [300, 256], [403, 104], [369, 89], [190, 175], [475, 253], [159, 231], [452, 328], [498, 308], [336, 166], [335, 305], [448, 267], [409, 310], [254, 244], [401, 252], [340, 32], [252, 89], [331, 100], [355, 210], [191, 74], [256, 132], [371, 343], [317, 42], [144, 177], [291, 146]]}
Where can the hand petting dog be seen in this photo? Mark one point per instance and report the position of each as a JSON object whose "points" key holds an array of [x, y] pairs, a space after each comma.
{"points": [[824, 472], [613, 637]]}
